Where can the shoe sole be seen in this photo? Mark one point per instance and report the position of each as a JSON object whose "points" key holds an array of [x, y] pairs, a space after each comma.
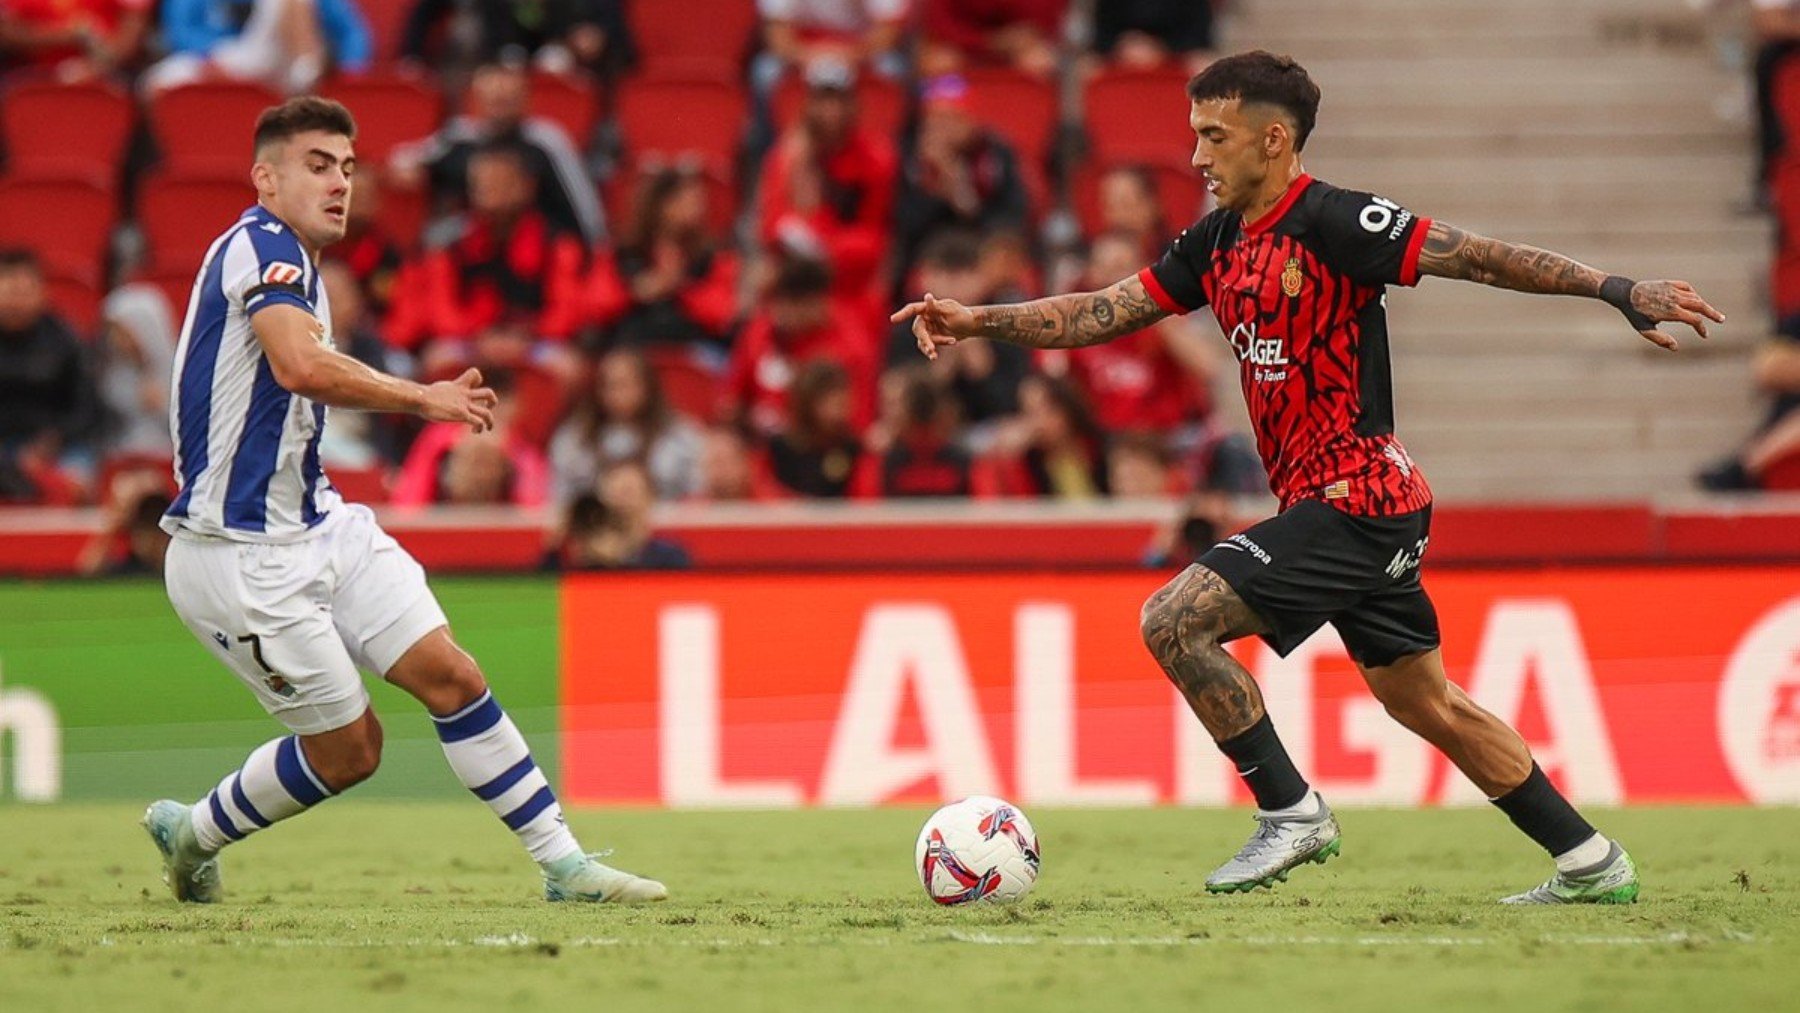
{"points": [[1319, 857]]}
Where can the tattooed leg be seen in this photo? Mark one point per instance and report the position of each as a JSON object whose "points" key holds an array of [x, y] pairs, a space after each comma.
{"points": [[1186, 625]]}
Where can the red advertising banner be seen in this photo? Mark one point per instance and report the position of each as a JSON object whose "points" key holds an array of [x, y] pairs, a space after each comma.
{"points": [[1631, 684]]}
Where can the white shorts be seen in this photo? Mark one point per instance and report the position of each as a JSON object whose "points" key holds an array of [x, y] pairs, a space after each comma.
{"points": [[296, 621]]}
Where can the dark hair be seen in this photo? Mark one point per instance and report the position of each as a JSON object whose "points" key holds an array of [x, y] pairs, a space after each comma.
{"points": [[951, 250], [1261, 76], [19, 258], [801, 278], [508, 148], [300, 114], [815, 379], [650, 421], [1068, 399], [654, 190], [922, 401]]}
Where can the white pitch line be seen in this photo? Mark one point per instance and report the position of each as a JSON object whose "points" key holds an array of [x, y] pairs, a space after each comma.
{"points": [[517, 940]]}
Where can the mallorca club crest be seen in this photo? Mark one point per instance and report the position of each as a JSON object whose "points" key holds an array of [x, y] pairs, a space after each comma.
{"points": [[1291, 278]]}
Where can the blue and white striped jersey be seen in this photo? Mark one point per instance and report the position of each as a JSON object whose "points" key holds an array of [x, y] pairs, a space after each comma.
{"points": [[246, 449]]}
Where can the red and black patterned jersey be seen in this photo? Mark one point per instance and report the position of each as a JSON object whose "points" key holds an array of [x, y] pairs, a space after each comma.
{"points": [[1300, 294]]}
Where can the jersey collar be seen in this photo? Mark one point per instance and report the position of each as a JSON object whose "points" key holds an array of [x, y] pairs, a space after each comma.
{"points": [[1274, 214]]}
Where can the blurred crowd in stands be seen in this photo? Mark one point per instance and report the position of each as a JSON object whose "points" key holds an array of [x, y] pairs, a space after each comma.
{"points": [[671, 233], [1770, 457]]}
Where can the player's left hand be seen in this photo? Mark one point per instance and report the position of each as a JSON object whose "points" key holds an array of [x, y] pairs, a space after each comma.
{"points": [[1672, 302]]}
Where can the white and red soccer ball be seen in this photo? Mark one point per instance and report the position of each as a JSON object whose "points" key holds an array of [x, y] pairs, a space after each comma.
{"points": [[978, 849]]}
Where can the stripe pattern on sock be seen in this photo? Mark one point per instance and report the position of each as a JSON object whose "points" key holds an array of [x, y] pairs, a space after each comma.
{"points": [[274, 783], [491, 759]]}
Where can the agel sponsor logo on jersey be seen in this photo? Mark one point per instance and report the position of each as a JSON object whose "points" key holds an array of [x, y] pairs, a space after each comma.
{"points": [[1259, 352]]}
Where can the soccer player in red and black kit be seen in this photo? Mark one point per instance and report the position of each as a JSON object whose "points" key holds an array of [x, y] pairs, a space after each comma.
{"points": [[1296, 271]]}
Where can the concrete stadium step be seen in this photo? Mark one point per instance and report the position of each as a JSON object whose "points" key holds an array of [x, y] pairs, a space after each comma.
{"points": [[1405, 139]]}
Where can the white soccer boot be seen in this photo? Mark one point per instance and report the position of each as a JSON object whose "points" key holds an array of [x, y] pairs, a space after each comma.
{"points": [[192, 874], [582, 877], [1279, 844]]}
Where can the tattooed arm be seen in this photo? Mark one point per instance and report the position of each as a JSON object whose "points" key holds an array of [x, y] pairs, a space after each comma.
{"points": [[1449, 252], [1059, 321]]}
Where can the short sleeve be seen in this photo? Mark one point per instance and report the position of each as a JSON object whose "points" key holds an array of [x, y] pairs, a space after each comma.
{"points": [[265, 268], [1370, 239], [1175, 280]]}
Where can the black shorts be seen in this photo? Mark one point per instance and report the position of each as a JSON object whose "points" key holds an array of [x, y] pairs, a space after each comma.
{"points": [[1313, 564]]}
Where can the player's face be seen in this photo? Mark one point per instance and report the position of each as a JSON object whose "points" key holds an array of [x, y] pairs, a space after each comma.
{"points": [[1231, 150], [306, 183]]}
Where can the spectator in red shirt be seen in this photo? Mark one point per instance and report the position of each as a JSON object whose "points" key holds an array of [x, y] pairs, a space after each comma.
{"points": [[373, 254], [817, 451], [75, 39], [919, 457], [670, 281], [1157, 379], [503, 290], [798, 322], [828, 185], [1022, 34], [450, 464]]}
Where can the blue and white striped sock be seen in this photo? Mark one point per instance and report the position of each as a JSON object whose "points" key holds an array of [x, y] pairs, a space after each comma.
{"points": [[491, 758], [274, 783]]}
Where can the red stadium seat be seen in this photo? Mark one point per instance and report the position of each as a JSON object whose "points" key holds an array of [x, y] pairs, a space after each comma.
{"points": [[387, 27], [207, 126], [1138, 115], [360, 485], [1023, 110], [675, 116], [75, 299], [1178, 188], [67, 221], [182, 215], [391, 107], [55, 128], [882, 103], [706, 37], [689, 386], [572, 101]]}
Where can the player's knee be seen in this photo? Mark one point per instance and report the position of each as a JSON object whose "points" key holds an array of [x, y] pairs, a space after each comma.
{"points": [[350, 759], [453, 684], [1420, 708], [1172, 621]]}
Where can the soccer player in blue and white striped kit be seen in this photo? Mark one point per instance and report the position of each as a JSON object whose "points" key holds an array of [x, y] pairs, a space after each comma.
{"points": [[291, 587]]}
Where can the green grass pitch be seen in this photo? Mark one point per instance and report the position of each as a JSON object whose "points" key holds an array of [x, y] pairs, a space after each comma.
{"points": [[430, 906]]}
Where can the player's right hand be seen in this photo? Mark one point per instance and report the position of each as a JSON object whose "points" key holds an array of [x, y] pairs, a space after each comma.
{"points": [[463, 399], [937, 322], [1672, 302]]}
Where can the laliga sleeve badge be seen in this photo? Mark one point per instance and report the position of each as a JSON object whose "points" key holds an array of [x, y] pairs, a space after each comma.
{"points": [[1291, 278]]}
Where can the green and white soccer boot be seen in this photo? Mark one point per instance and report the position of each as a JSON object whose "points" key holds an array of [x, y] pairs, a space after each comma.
{"points": [[1279, 844], [192, 874], [582, 877], [1614, 880]]}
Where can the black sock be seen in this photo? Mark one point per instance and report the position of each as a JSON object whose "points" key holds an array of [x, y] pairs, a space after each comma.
{"points": [[1263, 763], [1537, 808]]}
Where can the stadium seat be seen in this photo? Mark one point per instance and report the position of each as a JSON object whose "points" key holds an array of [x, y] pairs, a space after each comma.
{"points": [[360, 485], [207, 126], [883, 103], [572, 101], [671, 117], [387, 27], [76, 299], [704, 37], [67, 221], [1178, 187], [1137, 115], [690, 387], [50, 128], [1023, 109], [391, 107], [182, 215]]}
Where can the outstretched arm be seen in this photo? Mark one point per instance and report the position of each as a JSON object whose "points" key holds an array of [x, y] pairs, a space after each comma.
{"points": [[1059, 321], [1449, 252]]}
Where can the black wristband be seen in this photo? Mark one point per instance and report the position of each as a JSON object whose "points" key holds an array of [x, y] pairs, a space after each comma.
{"points": [[1616, 291]]}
